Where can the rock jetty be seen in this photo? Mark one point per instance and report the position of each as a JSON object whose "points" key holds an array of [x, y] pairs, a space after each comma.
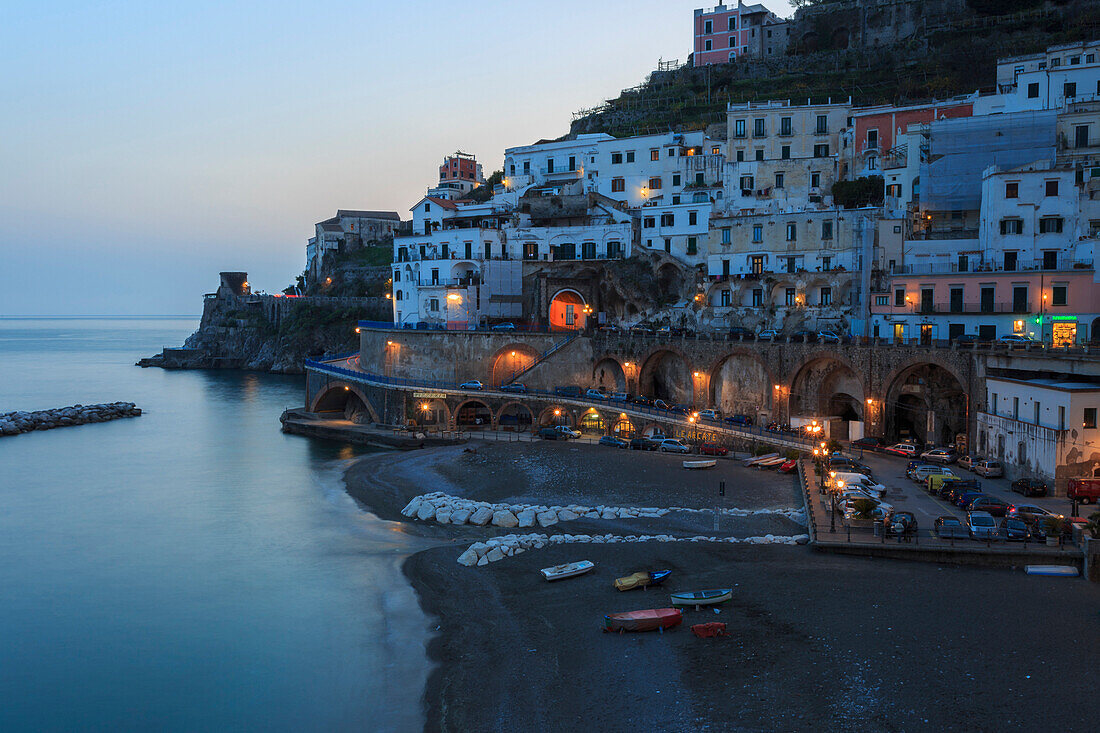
{"points": [[445, 509], [14, 423]]}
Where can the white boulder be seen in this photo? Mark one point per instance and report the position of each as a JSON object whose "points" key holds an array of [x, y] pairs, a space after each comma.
{"points": [[505, 518], [547, 518], [526, 518], [411, 508], [425, 512], [468, 558], [460, 516], [494, 554], [567, 515], [482, 516]]}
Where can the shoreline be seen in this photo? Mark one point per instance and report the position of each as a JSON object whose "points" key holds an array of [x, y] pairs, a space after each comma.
{"points": [[814, 639]]}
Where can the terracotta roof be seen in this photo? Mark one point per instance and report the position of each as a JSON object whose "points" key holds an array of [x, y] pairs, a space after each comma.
{"points": [[442, 202]]}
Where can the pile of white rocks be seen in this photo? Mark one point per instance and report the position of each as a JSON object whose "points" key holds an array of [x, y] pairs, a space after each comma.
{"points": [[447, 509], [14, 423], [498, 548]]}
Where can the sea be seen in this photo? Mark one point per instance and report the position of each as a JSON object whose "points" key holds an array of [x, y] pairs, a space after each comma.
{"points": [[192, 568]]}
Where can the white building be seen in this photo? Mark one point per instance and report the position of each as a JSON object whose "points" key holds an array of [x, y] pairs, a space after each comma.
{"points": [[456, 269], [1045, 81], [1044, 428], [348, 229]]}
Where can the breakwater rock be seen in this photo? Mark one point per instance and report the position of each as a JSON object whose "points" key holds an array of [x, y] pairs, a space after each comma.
{"points": [[14, 423]]}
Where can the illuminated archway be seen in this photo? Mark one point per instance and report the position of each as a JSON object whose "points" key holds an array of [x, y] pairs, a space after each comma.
{"points": [[474, 414], [555, 415], [666, 375], [927, 401], [623, 427], [568, 311], [740, 383], [347, 399], [592, 422]]}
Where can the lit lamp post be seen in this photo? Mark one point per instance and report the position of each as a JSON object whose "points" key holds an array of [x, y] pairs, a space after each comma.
{"points": [[832, 515], [820, 472]]}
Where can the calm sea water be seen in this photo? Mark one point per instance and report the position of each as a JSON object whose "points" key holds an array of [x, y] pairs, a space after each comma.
{"points": [[194, 568]]}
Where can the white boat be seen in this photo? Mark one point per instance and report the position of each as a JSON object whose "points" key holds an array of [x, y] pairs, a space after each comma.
{"points": [[696, 465], [1065, 571], [568, 570], [772, 462], [758, 459]]}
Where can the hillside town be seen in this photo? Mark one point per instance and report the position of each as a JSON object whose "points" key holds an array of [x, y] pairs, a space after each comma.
{"points": [[961, 223]]}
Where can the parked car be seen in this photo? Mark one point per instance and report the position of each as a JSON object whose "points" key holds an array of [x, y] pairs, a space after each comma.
{"points": [[968, 461], [1017, 341], [475, 385], [838, 462], [914, 465], [741, 333], [643, 443], [569, 390], [740, 420], [549, 434], [621, 397], [950, 527], [673, 445], [939, 455], [595, 394], [567, 432], [800, 337], [900, 523], [713, 449], [858, 481], [661, 405], [991, 504], [515, 387], [981, 525], [921, 474], [504, 327], [989, 469], [1030, 513], [958, 489], [712, 415], [902, 449], [642, 400], [1084, 490], [1015, 530], [614, 442], [768, 334], [1030, 487], [828, 337], [970, 339], [680, 410], [867, 443], [964, 499]]}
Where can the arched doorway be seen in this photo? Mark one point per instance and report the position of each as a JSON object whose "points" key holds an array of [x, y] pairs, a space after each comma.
{"points": [[555, 415], [430, 414], [515, 416], [665, 375], [343, 400], [623, 427], [510, 362], [827, 387], [609, 376], [926, 401], [474, 414], [567, 311], [592, 422]]}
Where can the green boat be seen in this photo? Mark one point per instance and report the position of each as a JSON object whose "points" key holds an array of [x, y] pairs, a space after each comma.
{"points": [[702, 597]]}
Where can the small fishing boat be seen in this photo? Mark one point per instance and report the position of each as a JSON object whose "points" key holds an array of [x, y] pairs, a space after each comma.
{"points": [[696, 465], [568, 570], [642, 579], [702, 597], [788, 467], [757, 459], [771, 463], [654, 619], [1065, 571]]}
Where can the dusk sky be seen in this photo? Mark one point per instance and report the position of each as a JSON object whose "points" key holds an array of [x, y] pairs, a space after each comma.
{"points": [[145, 147]]}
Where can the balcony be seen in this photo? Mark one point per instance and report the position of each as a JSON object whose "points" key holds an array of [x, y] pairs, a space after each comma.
{"points": [[947, 234], [948, 268], [944, 309], [562, 174]]}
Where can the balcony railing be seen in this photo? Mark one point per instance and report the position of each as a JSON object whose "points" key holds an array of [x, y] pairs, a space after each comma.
{"points": [[937, 309], [946, 268], [947, 234]]}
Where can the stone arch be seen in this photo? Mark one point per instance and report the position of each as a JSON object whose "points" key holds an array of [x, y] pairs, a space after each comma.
{"points": [[555, 415], [593, 421], [623, 426], [609, 375], [827, 381], [509, 361], [515, 416], [346, 398], [566, 310], [437, 412], [741, 383], [926, 399], [473, 414], [652, 429], [666, 374]]}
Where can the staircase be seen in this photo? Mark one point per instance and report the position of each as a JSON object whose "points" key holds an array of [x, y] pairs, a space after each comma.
{"points": [[543, 357]]}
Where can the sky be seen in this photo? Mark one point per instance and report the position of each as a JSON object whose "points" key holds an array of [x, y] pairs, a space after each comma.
{"points": [[145, 147]]}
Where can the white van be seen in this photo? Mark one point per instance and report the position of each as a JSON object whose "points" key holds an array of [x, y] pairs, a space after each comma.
{"points": [[921, 473], [860, 481]]}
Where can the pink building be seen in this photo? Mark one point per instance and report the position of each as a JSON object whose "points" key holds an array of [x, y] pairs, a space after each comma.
{"points": [[877, 128], [728, 32], [1058, 307]]}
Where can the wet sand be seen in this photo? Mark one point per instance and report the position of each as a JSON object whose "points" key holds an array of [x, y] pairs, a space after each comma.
{"points": [[816, 641]]}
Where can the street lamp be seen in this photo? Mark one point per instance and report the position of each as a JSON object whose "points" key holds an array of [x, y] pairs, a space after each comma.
{"points": [[832, 515]]}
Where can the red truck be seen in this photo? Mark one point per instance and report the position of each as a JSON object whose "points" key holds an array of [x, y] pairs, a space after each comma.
{"points": [[1084, 490]]}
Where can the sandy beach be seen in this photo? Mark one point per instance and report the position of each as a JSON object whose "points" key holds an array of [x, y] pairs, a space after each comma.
{"points": [[816, 641]]}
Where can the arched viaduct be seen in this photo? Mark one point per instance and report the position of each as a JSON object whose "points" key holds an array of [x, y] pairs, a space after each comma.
{"points": [[930, 392]]}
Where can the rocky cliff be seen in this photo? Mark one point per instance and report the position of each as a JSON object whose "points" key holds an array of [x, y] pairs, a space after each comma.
{"points": [[271, 334]]}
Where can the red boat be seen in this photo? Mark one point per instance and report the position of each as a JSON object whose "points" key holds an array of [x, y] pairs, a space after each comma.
{"points": [[654, 619], [788, 466]]}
